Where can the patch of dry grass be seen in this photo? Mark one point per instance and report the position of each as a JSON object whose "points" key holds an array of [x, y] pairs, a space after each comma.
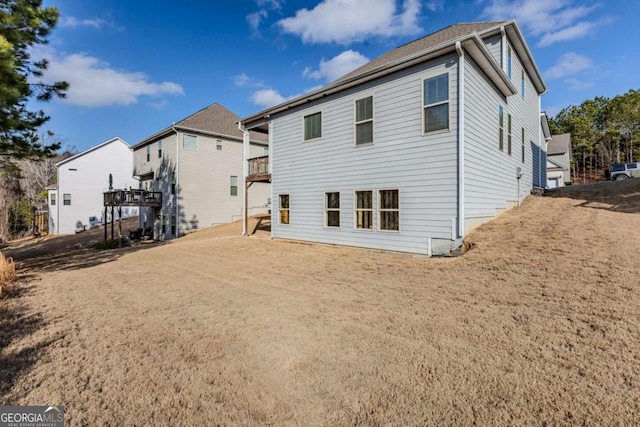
{"points": [[7, 274], [536, 325]]}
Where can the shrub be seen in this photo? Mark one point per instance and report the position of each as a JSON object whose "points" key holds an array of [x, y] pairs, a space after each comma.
{"points": [[7, 273]]}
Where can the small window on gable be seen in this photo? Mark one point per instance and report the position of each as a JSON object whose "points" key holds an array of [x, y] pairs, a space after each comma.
{"points": [[364, 121], [313, 126], [159, 149], [234, 185], [219, 144], [501, 128], [332, 209], [509, 61], [436, 103], [53, 199], [190, 142], [148, 153]]}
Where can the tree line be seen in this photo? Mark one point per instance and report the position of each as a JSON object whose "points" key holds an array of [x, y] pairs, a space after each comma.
{"points": [[603, 131]]}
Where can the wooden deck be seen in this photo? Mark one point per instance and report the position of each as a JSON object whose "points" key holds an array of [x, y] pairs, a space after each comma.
{"points": [[259, 169], [133, 198]]}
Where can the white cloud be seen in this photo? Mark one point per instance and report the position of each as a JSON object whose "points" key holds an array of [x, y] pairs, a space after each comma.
{"points": [[346, 21], [337, 66], [256, 18], [267, 98], [93, 83], [552, 20], [577, 85], [73, 22], [568, 64]]}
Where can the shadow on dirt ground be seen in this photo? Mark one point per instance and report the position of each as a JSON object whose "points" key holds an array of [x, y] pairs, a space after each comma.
{"points": [[70, 252], [19, 323], [616, 196]]}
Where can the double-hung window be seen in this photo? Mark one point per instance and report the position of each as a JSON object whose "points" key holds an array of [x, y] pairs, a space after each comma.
{"points": [[66, 199], [284, 208], [436, 103], [53, 199], [501, 128], [364, 210], [389, 210], [332, 209], [523, 152], [509, 134], [313, 126], [148, 153], [364, 121], [234, 185], [159, 149]]}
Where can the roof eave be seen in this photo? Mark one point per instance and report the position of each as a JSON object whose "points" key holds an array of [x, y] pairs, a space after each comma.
{"points": [[524, 53], [88, 150], [476, 48]]}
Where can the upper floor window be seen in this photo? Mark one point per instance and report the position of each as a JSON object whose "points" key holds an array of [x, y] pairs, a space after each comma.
{"points": [[364, 121], [436, 103], [148, 153], [53, 199], [66, 199], [313, 126], [522, 85], [509, 61], [218, 144], [159, 149], [190, 142]]}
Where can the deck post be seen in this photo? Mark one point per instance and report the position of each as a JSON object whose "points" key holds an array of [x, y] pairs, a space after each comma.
{"points": [[112, 215], [119, 226], [104, 222]]}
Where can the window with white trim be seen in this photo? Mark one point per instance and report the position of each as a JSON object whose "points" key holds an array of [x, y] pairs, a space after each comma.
{"points": [[53, 199], [66, 199], [364, 209], [364, 120], [218, 144], [159, 149], [332, 209], [435, 91], [189, 142], [313, 126], [509, 61], [148, 153], [284, 208], [509, 134], [234, 185], [501, 128], [389, 210]]}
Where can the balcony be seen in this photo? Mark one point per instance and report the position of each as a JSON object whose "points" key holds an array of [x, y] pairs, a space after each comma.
{"points": [[133, 198], [259, 169]]}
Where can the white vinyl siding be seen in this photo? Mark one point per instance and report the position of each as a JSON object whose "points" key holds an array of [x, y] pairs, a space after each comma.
{"points": [[364, 121]]}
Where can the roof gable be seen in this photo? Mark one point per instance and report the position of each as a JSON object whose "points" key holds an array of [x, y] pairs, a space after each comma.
{"points": [[94, 148], [559, 144]]}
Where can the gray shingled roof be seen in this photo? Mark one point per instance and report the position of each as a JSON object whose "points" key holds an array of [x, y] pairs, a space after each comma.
{"points": [[214, 119], [422, 44], [559, 144]]}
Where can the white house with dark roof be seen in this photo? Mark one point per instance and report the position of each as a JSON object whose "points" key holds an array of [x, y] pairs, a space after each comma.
{"points": [[76, 201], [197, 163], [559, 160], [413, 149]]}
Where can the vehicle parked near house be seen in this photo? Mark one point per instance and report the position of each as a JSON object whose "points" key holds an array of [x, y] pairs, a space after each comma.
{"points": [[619, 171]]}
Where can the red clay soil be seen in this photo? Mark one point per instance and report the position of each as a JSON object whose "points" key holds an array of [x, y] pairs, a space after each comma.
{"points": [[537, 325]]}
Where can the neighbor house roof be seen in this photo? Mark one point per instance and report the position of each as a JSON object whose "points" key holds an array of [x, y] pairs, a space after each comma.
{"points": [[96, 147], [467, 36], [559, 144], [215, 120]]}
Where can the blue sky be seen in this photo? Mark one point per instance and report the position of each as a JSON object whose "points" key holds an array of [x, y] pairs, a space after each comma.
{"points": [[136, 67]]}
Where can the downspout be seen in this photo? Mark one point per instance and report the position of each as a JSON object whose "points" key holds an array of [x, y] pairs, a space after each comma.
{"points": [[503, 52], [177, 178], [461, 61], [245, 174]]}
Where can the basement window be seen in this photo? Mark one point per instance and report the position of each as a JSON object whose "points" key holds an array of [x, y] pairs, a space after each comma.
{"points": [[389, 210], [332, 209], [364, 210]]}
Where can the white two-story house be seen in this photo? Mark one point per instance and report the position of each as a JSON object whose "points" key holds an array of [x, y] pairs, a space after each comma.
{"points": [[76, 201], [197, 164], [413, 149]]}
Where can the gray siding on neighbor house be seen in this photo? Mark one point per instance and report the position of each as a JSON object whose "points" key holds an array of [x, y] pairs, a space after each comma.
{"points": [[491, 184], [421, 167]]}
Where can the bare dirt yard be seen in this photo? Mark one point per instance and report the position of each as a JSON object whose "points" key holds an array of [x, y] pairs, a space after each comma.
{"points": [[539, 324]]}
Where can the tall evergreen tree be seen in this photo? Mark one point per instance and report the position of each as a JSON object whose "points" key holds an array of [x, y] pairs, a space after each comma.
{"points": [[24, 24]]}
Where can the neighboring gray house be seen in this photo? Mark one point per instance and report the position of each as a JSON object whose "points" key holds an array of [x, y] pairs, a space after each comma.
{"points": [[197, 163], [76, 202], [413, 149], [559, 160]]}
